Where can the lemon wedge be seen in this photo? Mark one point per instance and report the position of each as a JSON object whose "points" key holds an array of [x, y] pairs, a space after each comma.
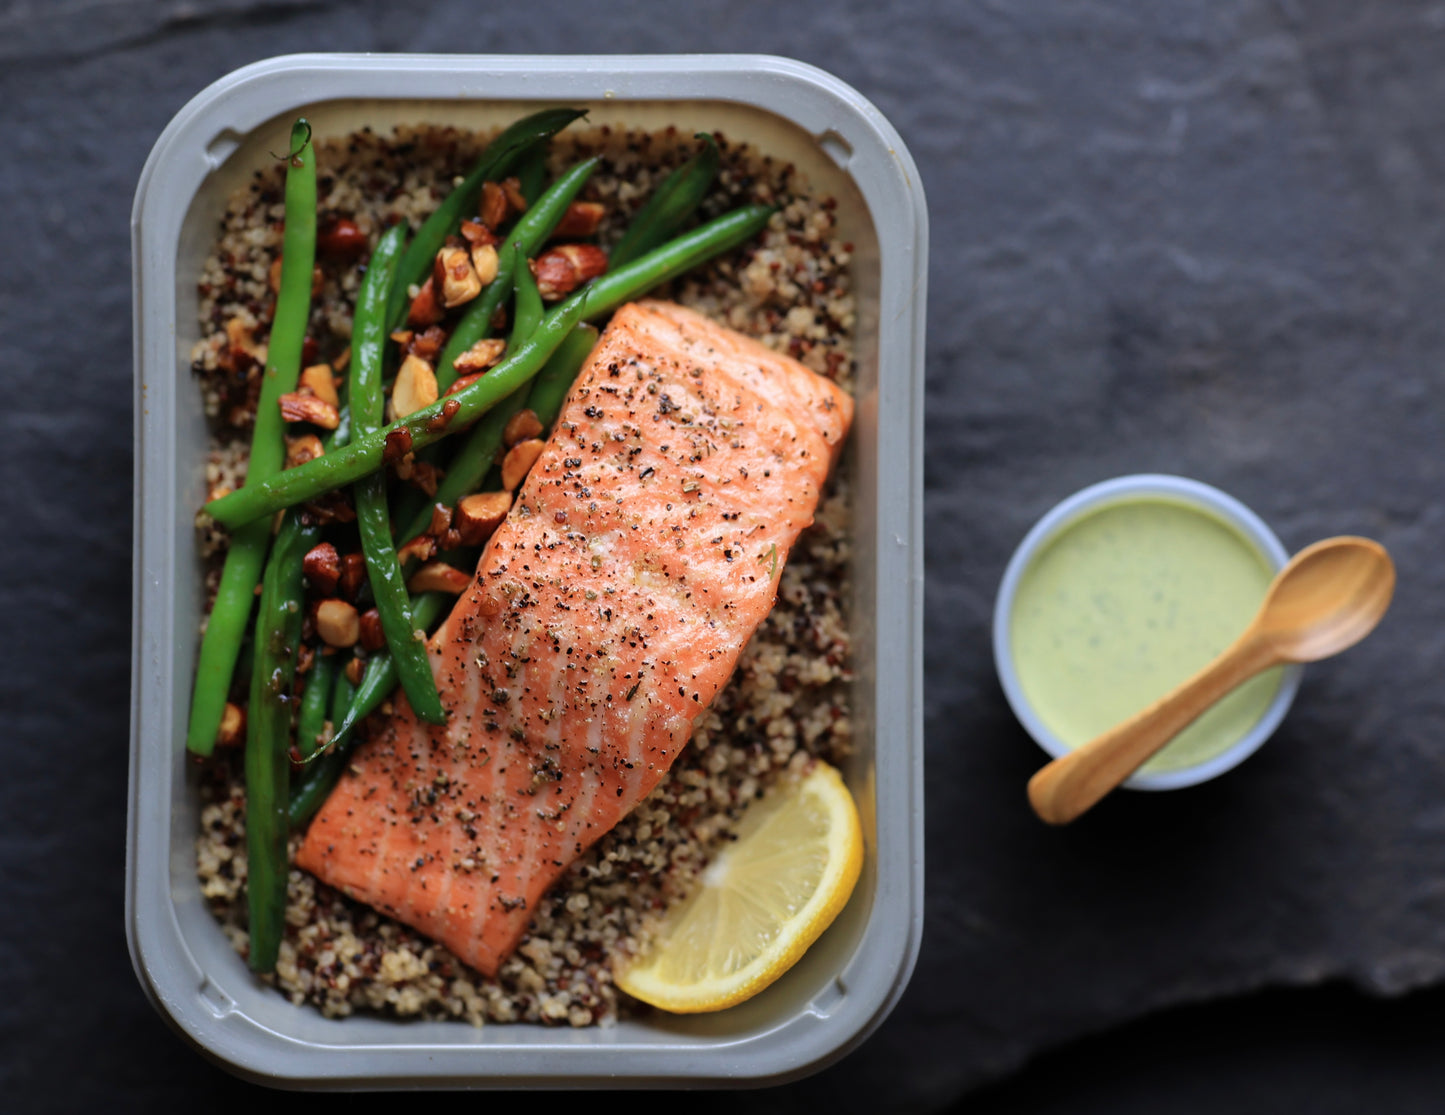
{"points": [[765, 898]]}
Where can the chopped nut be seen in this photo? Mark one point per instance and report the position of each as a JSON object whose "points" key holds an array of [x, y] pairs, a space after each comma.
{"points": [[561, 270], [580, 221], [232, 732], [519, 460], [322, 567], [425, 476], [244, 349], [420, 548], [342, 360], [476, 234], [402, 337], [337, 623], [454, 275], [372, 636], [485, 263], [444, 419], [479, 514], [428, 343], [441, 519], [219, 490], [512, 188], [342, 238], [480, 356], [354, 670], [319, 380], [301, 449], [521, 426], [415, 387], [398, 445], [296, 407], [438, 576], [494, 205], [425, 309], [305, 658], [461, 383], [353, 573]]}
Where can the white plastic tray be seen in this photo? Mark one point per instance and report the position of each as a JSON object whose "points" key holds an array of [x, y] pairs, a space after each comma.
{"points": [[849, 980]]}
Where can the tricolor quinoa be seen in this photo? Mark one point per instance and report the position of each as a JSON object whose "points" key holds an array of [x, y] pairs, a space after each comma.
{"points": [[788, 699]]}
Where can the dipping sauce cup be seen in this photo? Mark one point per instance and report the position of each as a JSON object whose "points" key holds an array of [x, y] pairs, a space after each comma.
{"points": [[1120, 593]]}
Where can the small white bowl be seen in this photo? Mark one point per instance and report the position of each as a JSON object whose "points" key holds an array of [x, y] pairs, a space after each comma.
{"points": [[1120, 490]]}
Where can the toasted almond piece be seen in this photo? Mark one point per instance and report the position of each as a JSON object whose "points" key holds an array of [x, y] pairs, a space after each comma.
{"points": [[241, 338], [521, 426], [463, 382], [353, 573], [512, 188], [305, 659], [342, 238], [494, 205], [519, 460], [438, 576], [480, 513], [322, 567], [580, 221], [342, 360], [401, 336], [561, 270], [426, 308], [319, 379], [354, 670], [301, 449], [372, 636], [337, 623], [296, 407], [476, 234], [455, 277], [420, 548], [441, 519], [415, 387], [217, 492], [232, 732], [428, 343], [486, 263], [480, 356]]}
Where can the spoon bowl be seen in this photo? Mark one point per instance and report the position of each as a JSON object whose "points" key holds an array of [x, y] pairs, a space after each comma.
{"points": [[1327, 598]]}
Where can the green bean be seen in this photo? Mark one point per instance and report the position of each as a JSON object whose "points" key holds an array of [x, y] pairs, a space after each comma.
{"points": [[373, 523], [310, 789], [670, 205], [367, 452], [311, 721], [496, 160], [479, 446], [268, 732], [532, 173], [553, 382], [231, 612], [530, 232]]}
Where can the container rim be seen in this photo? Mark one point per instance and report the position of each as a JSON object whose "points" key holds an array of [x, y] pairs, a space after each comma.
{"points": [[183, 157], [1120, 489]]}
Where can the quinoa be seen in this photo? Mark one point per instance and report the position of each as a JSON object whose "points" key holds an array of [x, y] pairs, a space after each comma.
{"points": [[788, 701]]}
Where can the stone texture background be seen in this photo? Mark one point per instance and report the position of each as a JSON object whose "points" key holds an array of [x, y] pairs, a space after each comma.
{"points": [[1200, 236]]}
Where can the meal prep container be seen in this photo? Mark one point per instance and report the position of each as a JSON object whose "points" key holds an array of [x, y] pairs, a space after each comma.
{"points": [[1127, 489], [847, 983]]}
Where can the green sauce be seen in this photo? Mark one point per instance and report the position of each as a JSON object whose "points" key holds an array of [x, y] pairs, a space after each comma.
{"points": [[1125, 603]]}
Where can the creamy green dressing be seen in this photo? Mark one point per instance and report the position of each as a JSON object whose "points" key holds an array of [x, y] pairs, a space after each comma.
{"points": [[1124, 604]]}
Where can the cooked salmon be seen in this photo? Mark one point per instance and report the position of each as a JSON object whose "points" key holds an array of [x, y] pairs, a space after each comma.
{"points": [[607, 610]]}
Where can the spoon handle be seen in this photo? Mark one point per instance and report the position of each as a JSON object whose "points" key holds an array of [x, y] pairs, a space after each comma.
{"points": [[1073, 783]]}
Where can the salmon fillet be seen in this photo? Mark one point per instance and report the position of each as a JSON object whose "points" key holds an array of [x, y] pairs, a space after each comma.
{"points": [[608, 609]]}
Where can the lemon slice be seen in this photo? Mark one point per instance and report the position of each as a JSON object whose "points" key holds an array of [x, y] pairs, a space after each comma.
{"points": [[762, 901]]}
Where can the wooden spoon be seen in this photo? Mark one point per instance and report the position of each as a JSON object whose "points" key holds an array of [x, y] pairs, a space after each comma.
{"points": [[1329, 597]]}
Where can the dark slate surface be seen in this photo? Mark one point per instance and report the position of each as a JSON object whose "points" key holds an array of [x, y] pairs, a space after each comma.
{"points": [[1193, 237]]}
